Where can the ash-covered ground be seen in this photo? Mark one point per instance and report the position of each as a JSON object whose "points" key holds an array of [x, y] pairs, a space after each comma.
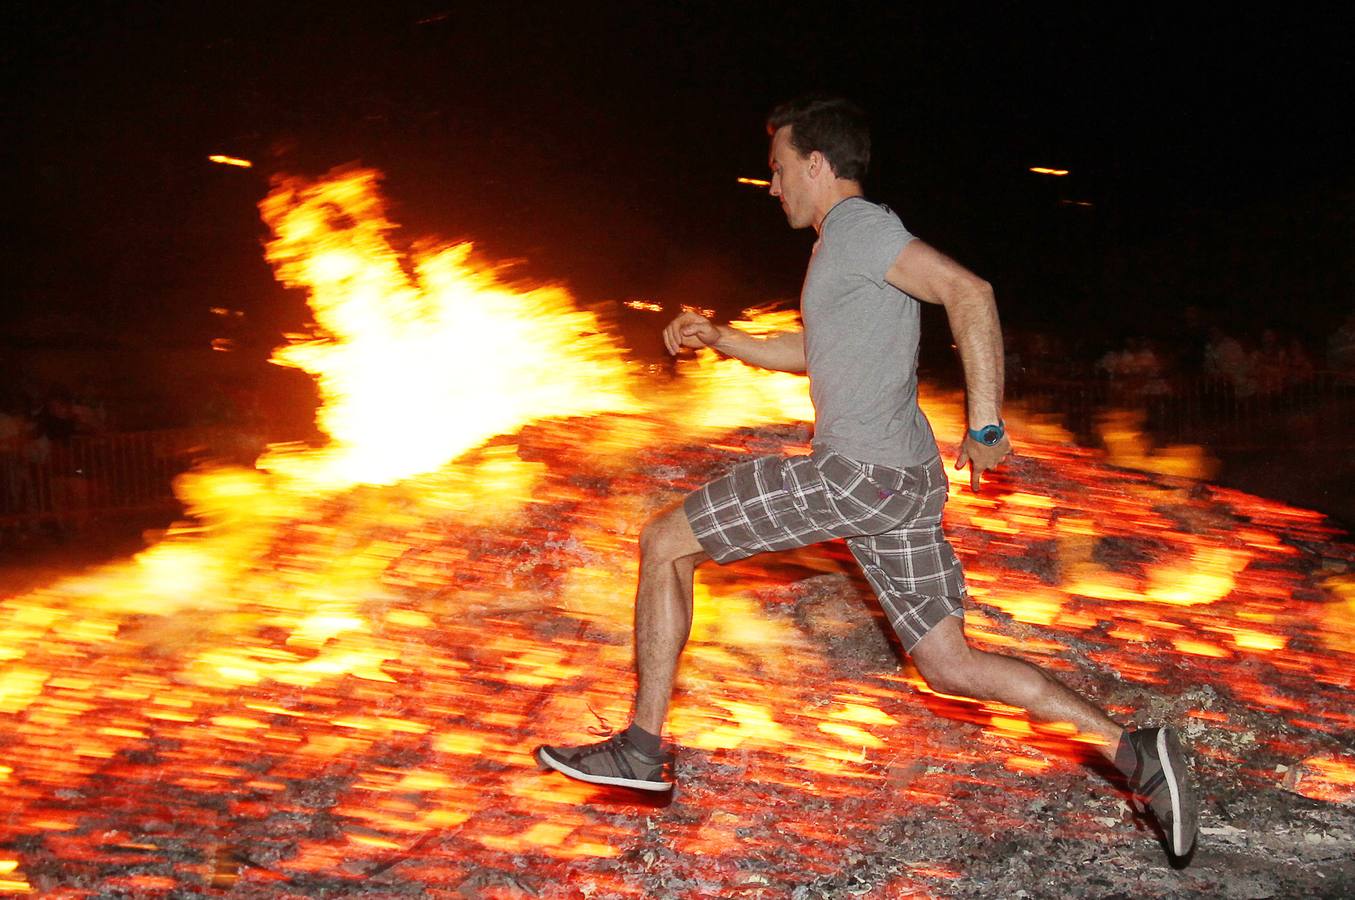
{"points": [[348, 708]]}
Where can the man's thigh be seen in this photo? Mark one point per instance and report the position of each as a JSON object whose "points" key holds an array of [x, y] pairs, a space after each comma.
{"points": [[751, 510], [913, 568], [781, 503]]}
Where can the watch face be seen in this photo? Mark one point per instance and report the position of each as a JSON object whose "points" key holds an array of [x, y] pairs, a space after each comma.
{"points": [[990, 435]]}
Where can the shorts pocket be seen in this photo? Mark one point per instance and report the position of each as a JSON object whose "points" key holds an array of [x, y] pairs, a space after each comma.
{"points": [[873, 497], [810, 492]]}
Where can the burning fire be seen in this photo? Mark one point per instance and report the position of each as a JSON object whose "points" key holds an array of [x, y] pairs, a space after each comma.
{"points": [[382, 627], [415, 369]]}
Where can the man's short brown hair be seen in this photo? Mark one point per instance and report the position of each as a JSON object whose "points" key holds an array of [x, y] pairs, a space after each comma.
{"points": [[834, 126]]}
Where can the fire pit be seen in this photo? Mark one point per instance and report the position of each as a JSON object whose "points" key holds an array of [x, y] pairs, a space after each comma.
{"points": [[329, 682]]}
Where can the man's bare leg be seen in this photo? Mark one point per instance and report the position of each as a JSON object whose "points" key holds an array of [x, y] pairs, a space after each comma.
{"points": [[1152, 760], [635, 758], [951, 666], [669, 555]]}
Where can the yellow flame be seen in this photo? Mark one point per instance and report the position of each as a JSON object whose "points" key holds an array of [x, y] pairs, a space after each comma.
{"points": [[420, 358], [1127, 444]]}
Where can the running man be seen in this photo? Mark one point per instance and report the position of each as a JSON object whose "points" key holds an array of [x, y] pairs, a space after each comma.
{"points": [[875, 477]]}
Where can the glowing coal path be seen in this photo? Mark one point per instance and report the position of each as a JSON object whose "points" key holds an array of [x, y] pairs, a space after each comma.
{"points": [[352, 649]]}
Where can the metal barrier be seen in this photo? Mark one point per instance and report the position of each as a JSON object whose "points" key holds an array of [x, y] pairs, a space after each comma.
{"points": [[1184, 410], [71, 482], [88, 477]]}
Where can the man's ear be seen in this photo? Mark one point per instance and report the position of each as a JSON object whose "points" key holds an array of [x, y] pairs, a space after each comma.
{"points": [[818, 164]]}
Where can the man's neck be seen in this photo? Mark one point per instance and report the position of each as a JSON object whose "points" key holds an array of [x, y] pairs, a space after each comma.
{"points": [[840, 190]]}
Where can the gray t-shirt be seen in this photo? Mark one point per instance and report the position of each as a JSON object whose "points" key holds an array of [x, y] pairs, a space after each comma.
{"points": [[861, 340]]}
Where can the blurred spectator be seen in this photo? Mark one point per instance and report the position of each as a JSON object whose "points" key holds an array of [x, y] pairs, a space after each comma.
{"points": [[1146, 369], [56, 419], [1111, 364], [1269, 367], [1136, 371], [1225, 359], [91, 417], [58, 425]]}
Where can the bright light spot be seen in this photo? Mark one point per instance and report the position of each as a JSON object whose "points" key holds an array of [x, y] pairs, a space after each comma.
{"points": [[231, 161]]}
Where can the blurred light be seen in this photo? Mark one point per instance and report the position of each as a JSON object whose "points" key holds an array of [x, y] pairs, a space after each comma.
{"points": [[231, 161], [1041, 170], [645, 305], [755, 182], [1083, 203], [699, 310]]}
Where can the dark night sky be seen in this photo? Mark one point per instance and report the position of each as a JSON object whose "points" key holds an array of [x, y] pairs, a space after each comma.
{"points": [[602, 148]]}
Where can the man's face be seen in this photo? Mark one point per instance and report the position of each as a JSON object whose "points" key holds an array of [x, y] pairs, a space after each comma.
{"points": [[790, 180]]}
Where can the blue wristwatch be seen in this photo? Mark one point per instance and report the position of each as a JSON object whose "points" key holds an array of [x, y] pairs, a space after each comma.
{"points": [[989, 435]]}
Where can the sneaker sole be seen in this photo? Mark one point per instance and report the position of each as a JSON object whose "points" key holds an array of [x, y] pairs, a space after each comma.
{"points": [[544, 757], [1182, 797]]}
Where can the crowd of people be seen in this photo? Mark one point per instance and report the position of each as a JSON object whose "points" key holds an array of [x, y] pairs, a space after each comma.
{"points": [[55, 414], [1260, 363], [1264, 365]]}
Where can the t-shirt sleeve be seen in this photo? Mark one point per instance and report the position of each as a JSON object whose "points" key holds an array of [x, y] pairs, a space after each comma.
{"points": [[871, 237]]}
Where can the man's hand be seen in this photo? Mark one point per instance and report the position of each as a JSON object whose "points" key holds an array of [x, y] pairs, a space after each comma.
{"points": [[981, 457], [690, 330]]}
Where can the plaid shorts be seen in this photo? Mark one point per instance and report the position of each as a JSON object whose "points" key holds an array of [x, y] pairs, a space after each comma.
{"points": [[891, 519]]}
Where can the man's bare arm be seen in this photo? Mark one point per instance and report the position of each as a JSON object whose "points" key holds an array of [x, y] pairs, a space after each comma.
{"points": [[928, 274], [783, 351]]}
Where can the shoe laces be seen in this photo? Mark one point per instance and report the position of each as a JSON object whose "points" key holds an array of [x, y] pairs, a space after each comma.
{"points": [[603, 728]]}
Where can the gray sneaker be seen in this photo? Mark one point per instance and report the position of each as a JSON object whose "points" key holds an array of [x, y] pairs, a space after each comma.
{"points": [[615, 761], [1161, 786]]}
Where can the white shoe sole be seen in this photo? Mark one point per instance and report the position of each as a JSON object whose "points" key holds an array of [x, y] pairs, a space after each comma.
{"points": [[544, 757], [1181, 840]]}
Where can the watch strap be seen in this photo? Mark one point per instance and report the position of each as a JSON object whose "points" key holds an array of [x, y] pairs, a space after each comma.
{"points": [[980, 434]]}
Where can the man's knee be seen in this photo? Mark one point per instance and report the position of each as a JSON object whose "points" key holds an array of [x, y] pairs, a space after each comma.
{"points": [[956, 681], [946, 662], [668, 536]]}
